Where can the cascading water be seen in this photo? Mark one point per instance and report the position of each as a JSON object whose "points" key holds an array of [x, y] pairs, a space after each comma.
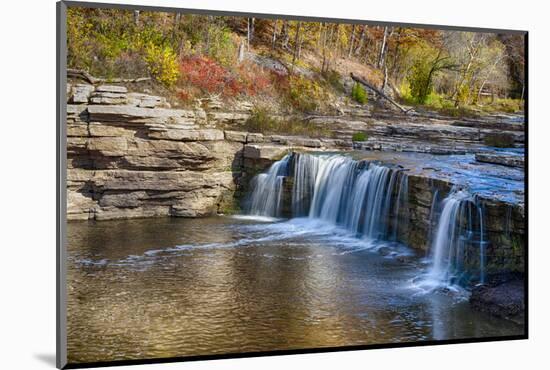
{"points": [[460, 224], [356, 195], [305, 174], [372, 201], [268, 187]]}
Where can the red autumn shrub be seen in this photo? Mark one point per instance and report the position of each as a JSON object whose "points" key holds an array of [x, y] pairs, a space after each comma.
{"points": [[203, 73], [253, 79], [209, 76]]}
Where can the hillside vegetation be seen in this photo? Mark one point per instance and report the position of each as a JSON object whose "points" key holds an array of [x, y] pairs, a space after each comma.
{"points": [[295, 66]]}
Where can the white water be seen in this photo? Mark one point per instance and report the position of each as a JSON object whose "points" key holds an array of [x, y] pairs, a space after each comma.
{"points": [[268, 188], [371, 202], [357, 196], [459, 224]]}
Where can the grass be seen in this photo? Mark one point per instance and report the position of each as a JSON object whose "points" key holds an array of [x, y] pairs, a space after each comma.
{"points": [[262, 121], [359, 136], [445, 106]]}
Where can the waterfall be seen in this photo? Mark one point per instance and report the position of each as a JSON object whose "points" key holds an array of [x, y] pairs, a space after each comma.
{"points": [[460, 224], [372, 202], [356, 195], [305, 174], [265, 199], [400, 223]]}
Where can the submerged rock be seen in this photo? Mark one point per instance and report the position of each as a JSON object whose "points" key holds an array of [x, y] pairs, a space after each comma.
{"points": [[506, 299]]}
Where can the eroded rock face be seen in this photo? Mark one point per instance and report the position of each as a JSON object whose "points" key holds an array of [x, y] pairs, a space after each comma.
{"points": [[144, 159], [139, 160], [131, 155], [503, 159]]}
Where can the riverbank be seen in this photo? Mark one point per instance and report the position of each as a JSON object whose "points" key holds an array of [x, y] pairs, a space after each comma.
{"points": [[130, 155], [230, 284]]}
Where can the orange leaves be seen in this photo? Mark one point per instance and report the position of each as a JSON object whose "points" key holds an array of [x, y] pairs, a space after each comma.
{"points": [[210, 77]]}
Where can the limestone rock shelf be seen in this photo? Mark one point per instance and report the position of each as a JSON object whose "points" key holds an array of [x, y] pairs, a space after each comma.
{"points": [[131, 155]]}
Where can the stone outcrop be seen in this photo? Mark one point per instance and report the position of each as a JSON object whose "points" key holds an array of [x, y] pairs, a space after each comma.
{"points": [[503, 221], [425, 134], [503, 299], [131, 155], [502, 159]]}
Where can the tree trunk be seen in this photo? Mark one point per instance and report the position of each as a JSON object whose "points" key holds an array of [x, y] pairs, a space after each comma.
{"points": [[382, 53], [274, 37], [248, 36], [380, 93], [352, 40], [361, 40], [285, 35], [296, 43], [207, 33], [241, 51]]}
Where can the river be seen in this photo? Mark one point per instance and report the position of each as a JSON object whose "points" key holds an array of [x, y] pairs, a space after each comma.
{"points": [[166, 287]]}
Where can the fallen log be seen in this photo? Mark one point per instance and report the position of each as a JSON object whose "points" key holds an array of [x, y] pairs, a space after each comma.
{"points": [[369, 86], [86, 76]]}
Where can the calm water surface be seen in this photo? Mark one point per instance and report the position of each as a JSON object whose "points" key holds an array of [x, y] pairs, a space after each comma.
{"points": [[174, 287]]}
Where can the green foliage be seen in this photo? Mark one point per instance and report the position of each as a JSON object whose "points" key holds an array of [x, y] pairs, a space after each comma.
{"points": [[359, 136], [507, 105], [162, 64], [220, 45], [420, 81], [359, 94], [305, 95], [262, 121], [334, 79]]}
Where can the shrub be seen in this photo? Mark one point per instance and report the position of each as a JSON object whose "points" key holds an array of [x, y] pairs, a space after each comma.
{"points": [[499, 140], [162, 64], [220, 45], [334, 79], [304, 94], [420, 81], [260, 121], [252, 78], [359, 136], [207, 75], [359, 94], [263, 122]]}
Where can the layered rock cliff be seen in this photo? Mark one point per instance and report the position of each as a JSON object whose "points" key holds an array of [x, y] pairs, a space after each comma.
{"points": [[130, 155]]}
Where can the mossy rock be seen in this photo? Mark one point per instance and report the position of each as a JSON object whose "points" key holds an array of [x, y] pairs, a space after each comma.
{"points": [[499, 140]]}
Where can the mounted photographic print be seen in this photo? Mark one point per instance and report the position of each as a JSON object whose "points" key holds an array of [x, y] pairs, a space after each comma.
{"points": [[237, 184]]}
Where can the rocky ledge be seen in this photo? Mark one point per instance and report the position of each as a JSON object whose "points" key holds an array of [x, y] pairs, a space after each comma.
{"points": [[503, 299], [131, 155], [502, 159]]}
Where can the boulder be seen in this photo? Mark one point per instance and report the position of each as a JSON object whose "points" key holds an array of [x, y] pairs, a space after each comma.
{"points": [[255, 138], [237, 136], [108, 98], [227, 118], [506, 300], [269, 152], [131, 114], [502, 159], [147, 101], [81, 93]]}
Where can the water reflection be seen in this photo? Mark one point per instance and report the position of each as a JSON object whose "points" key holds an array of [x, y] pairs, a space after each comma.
{"points": [[174, 287]]}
